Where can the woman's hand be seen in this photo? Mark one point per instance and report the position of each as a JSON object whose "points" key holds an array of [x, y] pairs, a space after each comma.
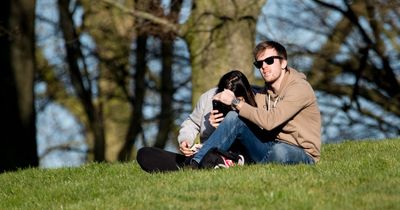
{"points": [[215, 118], [184, 147]]}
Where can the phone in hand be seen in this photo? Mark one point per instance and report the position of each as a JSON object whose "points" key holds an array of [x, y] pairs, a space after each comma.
{"points": [[221, 107], [196, 147]]}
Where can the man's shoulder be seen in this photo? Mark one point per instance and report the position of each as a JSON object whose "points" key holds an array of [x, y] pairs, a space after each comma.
{"points": [[298, 78], [296, 75]]}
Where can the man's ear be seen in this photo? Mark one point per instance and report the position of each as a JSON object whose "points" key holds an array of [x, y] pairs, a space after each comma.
{"points": [[283, 64]]}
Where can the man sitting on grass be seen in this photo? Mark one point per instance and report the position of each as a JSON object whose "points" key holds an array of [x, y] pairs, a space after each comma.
{"points": [[286, 124]]}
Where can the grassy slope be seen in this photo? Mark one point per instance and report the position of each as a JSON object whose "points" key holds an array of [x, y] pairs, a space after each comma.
{"points": [[350, 175]]}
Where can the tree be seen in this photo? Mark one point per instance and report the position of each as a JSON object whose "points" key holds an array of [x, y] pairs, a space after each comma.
{"points": [[118, 85], [167, 52], [353, 48], [78, 77], [220, 35], [18, 131]]}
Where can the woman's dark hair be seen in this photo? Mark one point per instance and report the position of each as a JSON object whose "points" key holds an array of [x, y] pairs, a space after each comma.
{"points": [[237, 82]]}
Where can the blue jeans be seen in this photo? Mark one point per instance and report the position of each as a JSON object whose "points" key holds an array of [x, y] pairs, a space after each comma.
{"points": [[259, 149]]}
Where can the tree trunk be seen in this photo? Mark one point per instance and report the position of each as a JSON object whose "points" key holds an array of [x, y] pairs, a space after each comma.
{"points": [[136, 118], [220, 36], [166, 121], [18, 131], [167, 116], [84, 93]]}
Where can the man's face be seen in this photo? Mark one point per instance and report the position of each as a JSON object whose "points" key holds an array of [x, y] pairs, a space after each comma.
{"points": [[271, 72]]}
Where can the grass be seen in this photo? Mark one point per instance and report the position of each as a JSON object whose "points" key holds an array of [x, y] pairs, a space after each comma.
{"points": [[350, 175]]}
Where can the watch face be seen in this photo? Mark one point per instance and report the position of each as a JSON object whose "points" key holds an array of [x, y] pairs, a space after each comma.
{"points": [[235, 101]]}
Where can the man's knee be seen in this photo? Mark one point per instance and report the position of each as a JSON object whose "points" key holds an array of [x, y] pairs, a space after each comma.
{"points": [[289, 154], [280, 154], [232, 115]]}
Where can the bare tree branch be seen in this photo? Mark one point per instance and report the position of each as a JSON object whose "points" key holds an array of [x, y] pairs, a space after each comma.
{"points": [[144, 15]]}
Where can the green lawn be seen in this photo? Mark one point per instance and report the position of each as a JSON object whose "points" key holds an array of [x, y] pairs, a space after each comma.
{"points": [[350, 175]]}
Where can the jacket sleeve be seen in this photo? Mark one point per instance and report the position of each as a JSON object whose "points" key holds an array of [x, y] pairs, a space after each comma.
{"points": [[297, 97], [192, 126]]}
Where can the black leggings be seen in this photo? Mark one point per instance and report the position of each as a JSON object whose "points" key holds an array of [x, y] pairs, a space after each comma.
{"points": [[153, 159]]}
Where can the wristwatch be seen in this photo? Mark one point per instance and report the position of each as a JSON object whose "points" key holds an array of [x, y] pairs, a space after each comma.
{"points": [[235, 102]]}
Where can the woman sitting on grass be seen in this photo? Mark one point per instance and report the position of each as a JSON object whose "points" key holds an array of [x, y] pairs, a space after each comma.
{"points": [[152, 159]]}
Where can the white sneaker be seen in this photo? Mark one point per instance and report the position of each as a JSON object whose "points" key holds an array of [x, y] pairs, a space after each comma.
{"points": [[241, 160], [229, 163]]}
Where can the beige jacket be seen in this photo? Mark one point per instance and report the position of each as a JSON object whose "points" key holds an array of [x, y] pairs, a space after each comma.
{"points": [[291, 115]]}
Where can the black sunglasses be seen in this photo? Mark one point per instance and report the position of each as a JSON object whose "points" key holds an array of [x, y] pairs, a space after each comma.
{"points": [[269, 61]]}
